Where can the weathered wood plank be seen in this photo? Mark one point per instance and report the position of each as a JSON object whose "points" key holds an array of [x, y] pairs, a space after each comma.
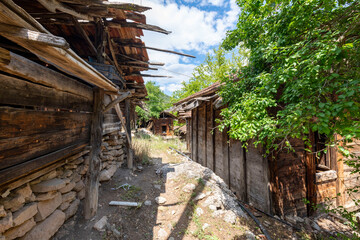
{"points": [[257, 178], [119, 99], [33, 36], [15, 122], [202, 135], [130, 159], [225, 160], [237, 175], [32, 165], [219, 153], [92, 176], [16, 182], [15, 91], [209, 136], [22, 67], [21, 149]]}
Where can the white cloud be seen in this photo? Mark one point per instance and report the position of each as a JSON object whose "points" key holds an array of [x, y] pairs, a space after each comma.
{"points": [[195, 30]]}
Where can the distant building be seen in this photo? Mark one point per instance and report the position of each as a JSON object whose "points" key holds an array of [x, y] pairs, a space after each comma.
{"points": [[164, 125]]}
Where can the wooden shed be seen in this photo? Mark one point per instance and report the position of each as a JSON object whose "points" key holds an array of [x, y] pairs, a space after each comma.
{"points": [[276, 184], [164, 125], [70, 75]]}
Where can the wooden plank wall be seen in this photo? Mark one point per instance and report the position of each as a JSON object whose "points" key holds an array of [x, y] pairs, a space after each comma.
{"points": [[350, 180], [38, 123], [288, 170], [226, 157], [257, 180]]}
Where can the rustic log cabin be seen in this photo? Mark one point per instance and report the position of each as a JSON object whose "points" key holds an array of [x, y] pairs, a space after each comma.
{"points": [[277, 184], [70, 76], [164, 125]]}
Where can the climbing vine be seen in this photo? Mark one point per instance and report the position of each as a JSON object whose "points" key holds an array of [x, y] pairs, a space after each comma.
{"points": [[303, 73]]}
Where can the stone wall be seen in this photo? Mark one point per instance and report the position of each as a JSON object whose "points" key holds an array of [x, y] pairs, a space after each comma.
{"points": [[113, 154], [40, 203]]}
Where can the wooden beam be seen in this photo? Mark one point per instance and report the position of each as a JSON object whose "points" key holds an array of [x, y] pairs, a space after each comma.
{"points": [[141, 45], [120, 115], [53, 5], [82, 32], [33, 36], [92, 186], [147, 75], [117, 101], [130, 155], [34, 72], [116, 5], [65, 60], [137, 17], [138, 67], [112, 51], [122, 24], [35, 164]]}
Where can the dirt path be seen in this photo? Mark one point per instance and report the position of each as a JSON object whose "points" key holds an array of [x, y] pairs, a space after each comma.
{"points": [[180, 200]]}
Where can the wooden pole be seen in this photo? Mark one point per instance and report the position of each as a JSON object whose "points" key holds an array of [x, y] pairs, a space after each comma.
{"points": [[130, 155], [92, 186]]}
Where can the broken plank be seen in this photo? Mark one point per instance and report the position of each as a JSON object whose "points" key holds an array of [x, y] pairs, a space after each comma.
{"points": [[122, 24], [23, 67], [33, 36], [117, 101]]}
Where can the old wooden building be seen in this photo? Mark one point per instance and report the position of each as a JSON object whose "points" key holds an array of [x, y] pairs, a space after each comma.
{"points": [[164, 125], [278, 183], [70, 75]]}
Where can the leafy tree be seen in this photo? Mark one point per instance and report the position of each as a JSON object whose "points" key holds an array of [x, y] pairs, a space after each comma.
{"points": [[303, 74], [158, 102], [215, 68]]}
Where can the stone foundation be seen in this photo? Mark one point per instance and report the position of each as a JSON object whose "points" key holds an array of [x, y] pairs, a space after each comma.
{"points": [[36, 206], [113, 154]]}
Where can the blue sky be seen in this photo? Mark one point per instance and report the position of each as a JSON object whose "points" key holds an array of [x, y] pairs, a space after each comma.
{"points": [[197, 28]]}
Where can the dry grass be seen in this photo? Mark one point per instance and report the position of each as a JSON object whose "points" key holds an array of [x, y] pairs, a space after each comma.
{"points": [[145, 145]]}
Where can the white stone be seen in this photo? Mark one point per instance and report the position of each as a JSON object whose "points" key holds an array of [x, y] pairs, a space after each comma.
{"points": [[79, 186], [6, 222], [20, 231], [213, 207], [200, 196], [72, 209], [147, 203], [100, 225], [205, 226], [199, 211], [24, 214], [68, 187], [49, 185], [81, 194], [160, 200], [2, 211], [162, 234], [157, 187], [230, 217], [249, 235], [25, 192], [47, 228], [189, 187], [46, 196], [68, 197], [106, 175], [13, 203], [45, 208]]}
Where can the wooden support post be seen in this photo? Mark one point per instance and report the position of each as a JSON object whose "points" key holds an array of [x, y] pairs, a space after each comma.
{"points": [[117, 101], [130, 155], [310, 177], [92, 186], [337, 164]]}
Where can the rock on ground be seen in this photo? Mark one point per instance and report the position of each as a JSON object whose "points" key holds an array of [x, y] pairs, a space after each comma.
{"points": [[100, 225], [160, 200]]}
